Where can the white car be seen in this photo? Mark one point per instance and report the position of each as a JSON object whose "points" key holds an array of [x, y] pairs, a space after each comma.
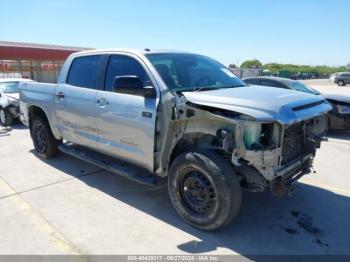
{"points": [[9, 99]]}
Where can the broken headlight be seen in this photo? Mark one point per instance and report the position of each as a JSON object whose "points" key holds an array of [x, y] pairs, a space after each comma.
{"points": [[260, 136], [343, 109]]}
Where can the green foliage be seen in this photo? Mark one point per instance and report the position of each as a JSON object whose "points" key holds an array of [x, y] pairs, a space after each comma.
{"points": [[275, 68], [251, 64]]}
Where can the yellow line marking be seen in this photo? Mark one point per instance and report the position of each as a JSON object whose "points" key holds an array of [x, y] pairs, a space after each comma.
{"points": [[38, 221]]}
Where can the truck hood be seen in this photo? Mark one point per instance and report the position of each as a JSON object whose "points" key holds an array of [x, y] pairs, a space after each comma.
{"points": [[263, 103]]}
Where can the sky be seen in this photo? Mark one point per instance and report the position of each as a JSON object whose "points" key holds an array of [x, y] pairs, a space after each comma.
{"points": [[313, 32]]}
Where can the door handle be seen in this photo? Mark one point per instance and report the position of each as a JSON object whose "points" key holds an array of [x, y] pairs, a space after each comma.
{"points": [[60, 95]]}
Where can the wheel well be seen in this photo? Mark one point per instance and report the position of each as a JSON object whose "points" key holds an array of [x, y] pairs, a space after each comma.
{"points": [[36, 111], [192, 141]]}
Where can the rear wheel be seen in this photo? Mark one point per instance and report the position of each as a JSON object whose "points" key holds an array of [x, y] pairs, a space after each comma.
{"points": [[6, 118], [44, 142], [204, 189]]}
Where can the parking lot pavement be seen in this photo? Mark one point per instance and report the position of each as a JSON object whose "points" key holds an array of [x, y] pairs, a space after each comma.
{"points": [[325, 87], [65, 206]]}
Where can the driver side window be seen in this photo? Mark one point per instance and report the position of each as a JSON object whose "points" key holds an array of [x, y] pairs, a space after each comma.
{"points": [[120, 65]]}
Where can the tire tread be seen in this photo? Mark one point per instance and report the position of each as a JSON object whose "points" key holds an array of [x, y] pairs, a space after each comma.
{"points": [[227, 184], [52, 142]]}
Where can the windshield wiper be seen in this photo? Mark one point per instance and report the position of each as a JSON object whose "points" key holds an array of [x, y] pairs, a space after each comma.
{"points": [[235, 86], [203, 88], [213, 88]]}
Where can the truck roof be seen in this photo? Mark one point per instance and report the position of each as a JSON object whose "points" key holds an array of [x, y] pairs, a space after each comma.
{"points": [[128, 50]]}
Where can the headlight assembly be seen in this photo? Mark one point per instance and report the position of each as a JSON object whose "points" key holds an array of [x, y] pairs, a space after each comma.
{"points": [[343, 109]]}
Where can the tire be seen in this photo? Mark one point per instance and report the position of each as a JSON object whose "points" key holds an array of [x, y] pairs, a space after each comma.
{"points": [[341, 83], [6, 118], [204, 189], [44, 142]]}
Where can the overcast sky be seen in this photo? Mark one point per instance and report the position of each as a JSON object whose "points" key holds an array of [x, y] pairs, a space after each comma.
{"points": [[289, 31]]}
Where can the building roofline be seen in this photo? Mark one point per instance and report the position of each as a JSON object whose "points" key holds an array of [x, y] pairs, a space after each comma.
{"points": [[42, 46], [28, 51]]}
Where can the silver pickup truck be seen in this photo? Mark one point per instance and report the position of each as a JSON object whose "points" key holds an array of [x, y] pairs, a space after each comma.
{"points": [[151, 114]]}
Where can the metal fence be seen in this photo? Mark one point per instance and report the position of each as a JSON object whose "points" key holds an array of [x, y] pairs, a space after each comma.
{"points": [[246, 72], [41, 71]]}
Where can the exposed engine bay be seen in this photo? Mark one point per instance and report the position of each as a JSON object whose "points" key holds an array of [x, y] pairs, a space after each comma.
{"points": [[264, 153], [279, 153]]}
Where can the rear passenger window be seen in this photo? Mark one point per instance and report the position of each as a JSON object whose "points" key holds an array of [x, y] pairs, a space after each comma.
{"points": [[120, 65], [251, 81], [270, 83], [84, 71]]}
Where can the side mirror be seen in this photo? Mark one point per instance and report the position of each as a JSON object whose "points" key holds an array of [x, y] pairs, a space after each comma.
{"points": [[131, 85]]}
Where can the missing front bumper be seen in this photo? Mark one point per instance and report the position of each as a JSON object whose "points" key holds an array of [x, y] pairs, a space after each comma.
{"points": [[286, 182]]}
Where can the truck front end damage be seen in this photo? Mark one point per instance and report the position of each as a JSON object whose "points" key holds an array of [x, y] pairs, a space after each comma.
{"points": [[266, 152], [280, 154]]}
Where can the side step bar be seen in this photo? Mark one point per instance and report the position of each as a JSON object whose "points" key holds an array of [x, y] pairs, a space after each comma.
{"points": [[108, 163]]}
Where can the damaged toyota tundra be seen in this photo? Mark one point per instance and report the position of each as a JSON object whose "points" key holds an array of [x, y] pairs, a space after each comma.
{"points": [[147, 115]]}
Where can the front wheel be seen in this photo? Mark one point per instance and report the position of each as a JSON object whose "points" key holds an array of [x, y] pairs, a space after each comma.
{"points": [[44, 142], [6, 118], [204, 189], [341, 83]]}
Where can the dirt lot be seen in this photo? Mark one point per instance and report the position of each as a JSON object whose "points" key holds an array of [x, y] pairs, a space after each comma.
{"points": [[65, 206]]}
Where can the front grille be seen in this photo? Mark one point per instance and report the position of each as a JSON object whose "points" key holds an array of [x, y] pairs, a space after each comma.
{"points": [[293, 143], [302, 139]]}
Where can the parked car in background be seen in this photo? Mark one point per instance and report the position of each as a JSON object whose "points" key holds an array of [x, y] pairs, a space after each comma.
{"points": [[9, 99], [302, 76], [149, 114], [332, 77], [342, 79], [338, 118]]}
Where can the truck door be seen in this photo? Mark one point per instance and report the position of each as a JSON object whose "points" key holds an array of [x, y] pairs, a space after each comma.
{"points": [[75, 101], [126, 123]]}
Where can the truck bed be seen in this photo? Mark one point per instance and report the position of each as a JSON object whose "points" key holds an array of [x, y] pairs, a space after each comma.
{"points": [[39, 94]]}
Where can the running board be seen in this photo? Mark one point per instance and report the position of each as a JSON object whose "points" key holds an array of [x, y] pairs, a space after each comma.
{"points": [[111, 164]]}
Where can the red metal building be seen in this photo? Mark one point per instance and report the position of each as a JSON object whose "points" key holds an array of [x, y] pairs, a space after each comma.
{"points": [[36, 61]]}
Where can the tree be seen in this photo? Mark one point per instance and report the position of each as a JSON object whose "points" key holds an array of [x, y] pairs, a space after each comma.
{"points": [[275, 68], [348, 67], [251, 64]]}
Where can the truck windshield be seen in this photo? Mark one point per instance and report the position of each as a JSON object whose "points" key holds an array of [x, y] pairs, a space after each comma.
{"points": [[190, 72], [9, 87]]}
